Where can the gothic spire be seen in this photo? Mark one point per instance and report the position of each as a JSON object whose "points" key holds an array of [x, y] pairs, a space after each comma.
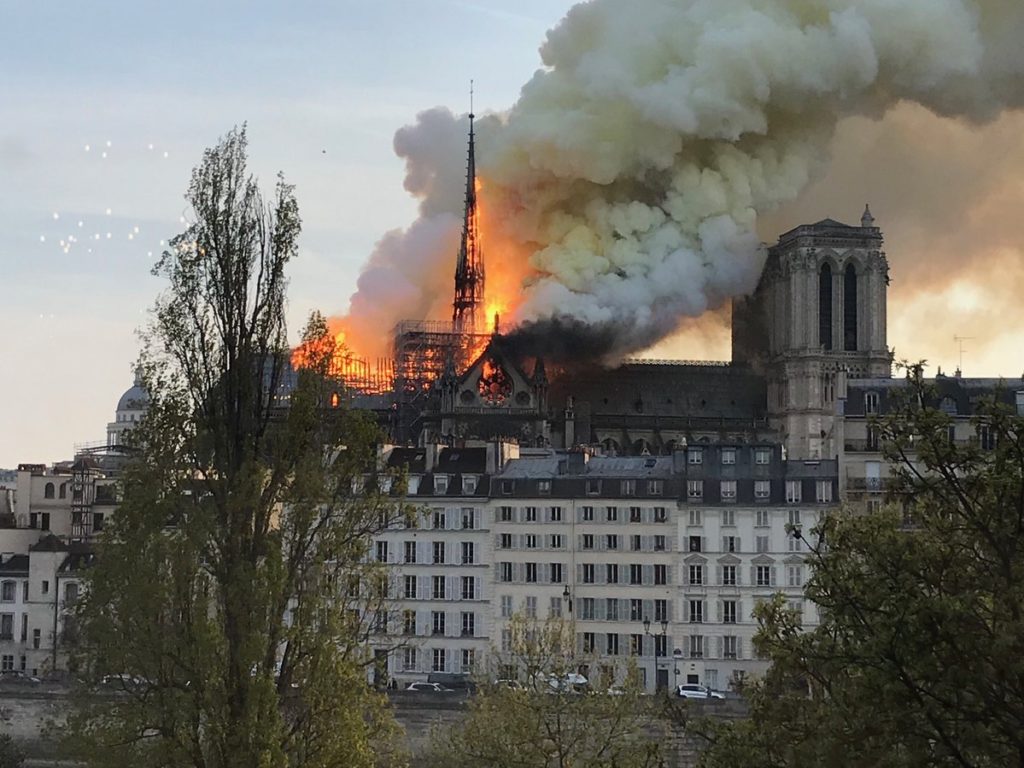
{"points": [[469, 266]]}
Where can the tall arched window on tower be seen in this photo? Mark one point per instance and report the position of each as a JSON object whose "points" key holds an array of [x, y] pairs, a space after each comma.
{"points": [[825, 306], [850, 308]]}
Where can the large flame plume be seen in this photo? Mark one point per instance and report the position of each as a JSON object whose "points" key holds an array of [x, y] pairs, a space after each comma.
{"points": [[622, 190]]}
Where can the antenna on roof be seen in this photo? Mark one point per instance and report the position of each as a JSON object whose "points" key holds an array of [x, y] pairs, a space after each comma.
{"points": [[960, 341]]}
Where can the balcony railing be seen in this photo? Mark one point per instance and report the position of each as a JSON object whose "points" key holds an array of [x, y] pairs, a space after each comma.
{"points": [[853, 445], [871, 484]]}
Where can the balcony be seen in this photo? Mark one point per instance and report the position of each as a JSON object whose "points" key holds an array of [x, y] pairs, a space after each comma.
{"points": [[869, 484], [864, 445]]}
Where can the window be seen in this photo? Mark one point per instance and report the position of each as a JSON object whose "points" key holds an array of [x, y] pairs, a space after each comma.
{"points": [[986, 438], [468, 624], [824, 489], [696, 646], [634, 542], [611, 572], [468, 659], [730, 544], [763, 575], [409, 622], [555, 570], [627, 487], [611, 541], [410, 587], [408, 659], [728, 490], [636, 645], [660, 610], [587, 608], [468, 553], [46, 587], [440, 484], [438, 591], [589, 642], [556, 607], [612, 644], [506, 606], [8, 591], [655, 487], [636, 610], [795, 575], [555, 541], [660, 646], [762, 456], [530, 607], [728, 455], [761, 544], [695, 543], [611, 514], [6, 626], [793, 491], [635, 515], [410, 551], [729, 646], [382, 551], [531, 514], [507, 487], [7, 662], [1019, 402], [440, 661], [588, 541], [850, 308], [696, 611], [761, 518], [696, 574], [728, 517], [611, 609], [660, 515], [588, 514], [97, 522], [469, 588], [593, 489], [695, 455], [505, 542], [660, 573], [728, 611], [870, 403], [555, 514], [531, 541], [437, 622], [531, 573], [588, 573], [762, 489], [695, 517], [544, 487], [469, 484], [438, 553], [636, 573], [694, 490], [439, 521], [24, 592], [506, 572], [794, 517], [468, 519], [47, 494], [729, 575], [37, 638], [507, 514], [825, 306], [659, 543]]}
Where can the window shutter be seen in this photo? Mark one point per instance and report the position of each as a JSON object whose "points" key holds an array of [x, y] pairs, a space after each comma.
{"points": [[718, 614], [773, 570], [647, 575], [718, 647], [703, 543], [686, 610], [648, 607], [579, 573], [753, 574], [454, 588], [739, 647], [719, 572], [423, 587], [707, 645]]}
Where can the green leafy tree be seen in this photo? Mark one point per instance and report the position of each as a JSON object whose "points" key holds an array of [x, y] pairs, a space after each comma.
{"points": [[534, 710], [226, 615], [919, 657]]}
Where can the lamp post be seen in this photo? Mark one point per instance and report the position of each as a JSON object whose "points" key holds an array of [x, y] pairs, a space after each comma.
{"points": [[567, 597], [656, 635]]}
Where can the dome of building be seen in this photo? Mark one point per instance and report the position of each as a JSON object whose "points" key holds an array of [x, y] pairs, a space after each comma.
{"points": [[136, 398]]}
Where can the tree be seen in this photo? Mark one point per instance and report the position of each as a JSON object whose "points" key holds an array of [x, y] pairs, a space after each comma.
{"points": [[543, 713], [230, 596], [11, 755], [919, 657]]}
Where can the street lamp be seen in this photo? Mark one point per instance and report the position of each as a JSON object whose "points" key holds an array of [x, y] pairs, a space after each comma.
{"points": [[567, 596], [647, 627]]}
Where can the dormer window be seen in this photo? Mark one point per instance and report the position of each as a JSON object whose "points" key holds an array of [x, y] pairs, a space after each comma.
{"points": [[544, 487], [385, 483], [871, 403], [469, 484], [695, 455], [593, 487], [507, 486], [440, 484], [628, 487]]}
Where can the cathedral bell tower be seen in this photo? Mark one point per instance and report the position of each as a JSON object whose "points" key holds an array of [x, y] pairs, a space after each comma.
{"points": [[816, 319]]}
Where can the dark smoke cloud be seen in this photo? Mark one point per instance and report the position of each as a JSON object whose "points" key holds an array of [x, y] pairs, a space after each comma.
{"points": [[562, 341]]}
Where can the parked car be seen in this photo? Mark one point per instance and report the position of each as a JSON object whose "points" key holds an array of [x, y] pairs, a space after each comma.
{"points": [[428, 688], [18, 677], [454, 681], [515, 685], [693, 691]]}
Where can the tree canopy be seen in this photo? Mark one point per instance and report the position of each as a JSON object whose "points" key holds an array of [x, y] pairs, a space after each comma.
{"points": [[226, 615], [919, 656]]}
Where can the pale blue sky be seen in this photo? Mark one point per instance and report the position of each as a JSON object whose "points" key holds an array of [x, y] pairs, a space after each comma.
{"points": [[307, 76]]}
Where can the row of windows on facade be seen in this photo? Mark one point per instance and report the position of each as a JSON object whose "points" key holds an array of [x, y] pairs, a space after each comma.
{"points": [[9, 591], [728, 611], [949, 406], [430, 553], [849, 298], [436, 624], [556, 541], [696, 646], [440, 659], [640, 574], [609, 542], [7, 629], [441, 588]]}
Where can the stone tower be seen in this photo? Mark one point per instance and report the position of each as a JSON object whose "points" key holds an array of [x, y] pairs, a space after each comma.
{"points": [[816, 319]]}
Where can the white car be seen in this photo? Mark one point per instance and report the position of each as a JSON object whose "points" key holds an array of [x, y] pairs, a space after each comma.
{"points": [[427, 688], [693, 691]]}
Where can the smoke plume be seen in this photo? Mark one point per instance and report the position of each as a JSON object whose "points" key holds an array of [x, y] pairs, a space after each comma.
{"points": [[622, 190]]}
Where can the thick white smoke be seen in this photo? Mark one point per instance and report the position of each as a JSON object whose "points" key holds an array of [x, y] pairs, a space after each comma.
{"points": [[634, 164]]}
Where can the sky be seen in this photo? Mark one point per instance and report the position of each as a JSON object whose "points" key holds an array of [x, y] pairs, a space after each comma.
{"points": [[106, 106]]}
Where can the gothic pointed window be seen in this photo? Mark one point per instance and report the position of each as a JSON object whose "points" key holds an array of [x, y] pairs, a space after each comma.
{"points": [[850, 309], [825, 306], [495, 384]]}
